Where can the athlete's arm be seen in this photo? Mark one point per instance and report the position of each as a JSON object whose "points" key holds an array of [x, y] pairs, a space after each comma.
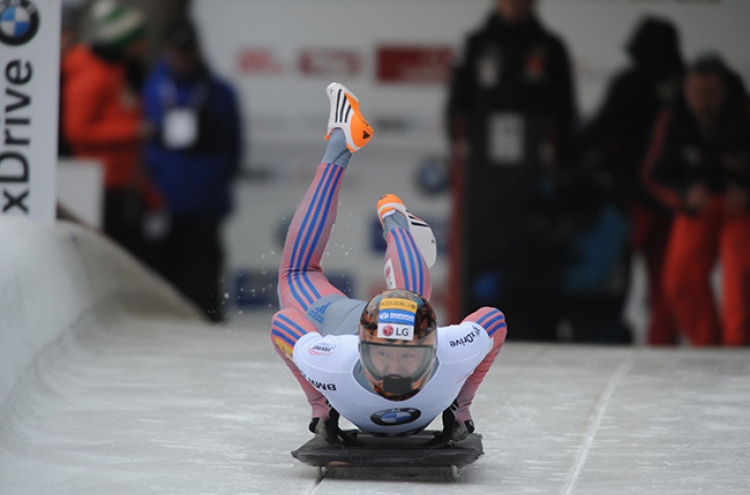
{"points": [[493, 322], [288, 326]]}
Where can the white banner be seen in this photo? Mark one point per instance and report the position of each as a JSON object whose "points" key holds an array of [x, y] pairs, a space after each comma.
{"points": [[29, 88]]}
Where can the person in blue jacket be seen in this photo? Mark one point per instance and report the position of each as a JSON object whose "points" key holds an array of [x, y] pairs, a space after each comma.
{"points": [[193, 158]]}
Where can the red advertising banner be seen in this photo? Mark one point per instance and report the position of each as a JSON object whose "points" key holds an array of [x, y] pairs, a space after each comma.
{"points": [[324, 62], [414, 64], [258, 61]]}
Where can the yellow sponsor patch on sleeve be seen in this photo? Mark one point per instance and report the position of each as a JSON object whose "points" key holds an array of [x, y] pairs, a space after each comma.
{"points": [[284, 346]]}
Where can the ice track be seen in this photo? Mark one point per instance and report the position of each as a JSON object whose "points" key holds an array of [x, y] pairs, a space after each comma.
{"points": [[136, 399]]}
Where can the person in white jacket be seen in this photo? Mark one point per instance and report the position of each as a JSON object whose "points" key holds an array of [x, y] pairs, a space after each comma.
{"points": [[384, 365]]}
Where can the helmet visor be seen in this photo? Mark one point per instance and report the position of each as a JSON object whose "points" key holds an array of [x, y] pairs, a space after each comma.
{"points": [[402, 361]]}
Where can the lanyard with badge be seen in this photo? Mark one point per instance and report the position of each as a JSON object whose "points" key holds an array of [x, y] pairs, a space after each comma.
{"points": [[505, 130], [181, 126]]}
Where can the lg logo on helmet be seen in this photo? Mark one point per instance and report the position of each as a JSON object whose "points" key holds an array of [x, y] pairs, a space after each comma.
{"points": [[395, 332]]}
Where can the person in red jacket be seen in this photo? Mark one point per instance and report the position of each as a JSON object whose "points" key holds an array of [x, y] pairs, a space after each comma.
{"points": [[699, 164], [103, 119]]}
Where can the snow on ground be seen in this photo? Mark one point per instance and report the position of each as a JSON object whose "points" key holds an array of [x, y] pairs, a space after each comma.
{"points": [[130, 393]]}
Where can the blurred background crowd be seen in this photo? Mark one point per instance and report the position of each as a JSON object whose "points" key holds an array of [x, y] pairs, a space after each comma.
{"points": [[541, 208]]}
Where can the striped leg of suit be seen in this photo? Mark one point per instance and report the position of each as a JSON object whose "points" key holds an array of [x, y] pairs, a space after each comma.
{"points": [[493, 321], [404, 266], [287, 327], [301, 278]]}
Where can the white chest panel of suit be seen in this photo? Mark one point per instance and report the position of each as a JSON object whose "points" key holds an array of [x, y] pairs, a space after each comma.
{"points": [[329, 362]]}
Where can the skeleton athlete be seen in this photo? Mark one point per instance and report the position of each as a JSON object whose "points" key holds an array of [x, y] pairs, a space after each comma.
{"points": [[384, 365]]}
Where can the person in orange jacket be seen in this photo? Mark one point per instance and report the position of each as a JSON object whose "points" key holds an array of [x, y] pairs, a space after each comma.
{"points": [[103, 117], [699, 164]]}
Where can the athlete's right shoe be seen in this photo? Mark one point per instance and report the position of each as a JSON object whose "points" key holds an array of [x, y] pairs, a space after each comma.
{"points": [[419, 229], [345, 115]]}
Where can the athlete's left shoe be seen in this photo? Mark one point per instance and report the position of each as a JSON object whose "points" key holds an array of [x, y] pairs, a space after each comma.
{"points": [[419, 229], [345, 115]]}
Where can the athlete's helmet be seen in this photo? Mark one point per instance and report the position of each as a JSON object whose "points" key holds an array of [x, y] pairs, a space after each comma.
{"points": [[397, 343]]}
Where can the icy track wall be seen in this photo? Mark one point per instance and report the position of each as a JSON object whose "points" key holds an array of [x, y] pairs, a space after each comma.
{"points": [[51, 278]]}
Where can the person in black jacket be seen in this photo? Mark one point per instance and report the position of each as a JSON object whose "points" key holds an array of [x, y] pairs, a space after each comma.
{"points": [[699, 165], [511, 112], [615, 142]]}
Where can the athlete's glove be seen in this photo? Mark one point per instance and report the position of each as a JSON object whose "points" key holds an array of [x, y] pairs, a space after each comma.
{"points": [[452, 429], [329, 430]]}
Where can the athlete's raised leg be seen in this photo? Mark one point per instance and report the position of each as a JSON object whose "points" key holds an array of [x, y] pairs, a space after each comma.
{"points": [[301, 279], [405, 265]]}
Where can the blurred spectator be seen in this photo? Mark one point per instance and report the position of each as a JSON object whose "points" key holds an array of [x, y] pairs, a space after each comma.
{"points": [[193, 159], [615, 141], [102, 117], [699, 164], [511, 113], [594, 281]]}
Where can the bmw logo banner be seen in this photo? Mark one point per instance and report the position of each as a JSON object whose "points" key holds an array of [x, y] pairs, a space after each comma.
{"points": [[29, 84]]}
